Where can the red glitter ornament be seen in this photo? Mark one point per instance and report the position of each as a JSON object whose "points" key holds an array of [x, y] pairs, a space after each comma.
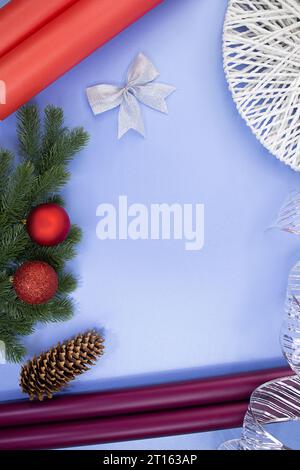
{"points": [[35, 282], [48, 224]]}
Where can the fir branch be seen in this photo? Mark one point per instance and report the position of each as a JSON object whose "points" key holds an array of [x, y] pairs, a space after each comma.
{"points": [[57, 255], [16, 199], [14, 350], [5, 289], [55, 199], [14, 308], [29, 132], [63, 150], [51, 181], [13, 242], [56, 310], [18, 326], [53, 127], [6, 161], [67, 283], [38, 178], [61, 310], [77, 139], [25, 315]]}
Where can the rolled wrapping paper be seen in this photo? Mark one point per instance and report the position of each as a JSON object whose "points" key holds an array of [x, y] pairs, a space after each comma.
{"points": [[59, 45], [21, 18], [123, 428], [186, 394]]}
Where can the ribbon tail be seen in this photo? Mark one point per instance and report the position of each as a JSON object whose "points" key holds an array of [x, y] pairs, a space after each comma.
{"points": [[154, 95], [130, 116]]}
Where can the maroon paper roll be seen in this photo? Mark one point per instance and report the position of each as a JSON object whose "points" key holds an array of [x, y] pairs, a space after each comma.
{"points": [[201, 392], [123, 428]]}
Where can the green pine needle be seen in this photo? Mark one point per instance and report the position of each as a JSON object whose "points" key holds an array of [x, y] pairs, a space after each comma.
{"points": [[16, 198], [6, 161], [51, 181], [63, 148], [29, 132], [13, 241], [53, 127], [57, 255], [67, 283], [46, 151]]}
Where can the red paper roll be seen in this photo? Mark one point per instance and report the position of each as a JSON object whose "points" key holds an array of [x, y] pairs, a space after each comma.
{"points": [[21, 18], [123, 428], [201, 392], [59, 45]]}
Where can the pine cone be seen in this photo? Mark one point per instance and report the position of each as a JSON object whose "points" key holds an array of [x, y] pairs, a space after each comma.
{"points": [[52, 370]]}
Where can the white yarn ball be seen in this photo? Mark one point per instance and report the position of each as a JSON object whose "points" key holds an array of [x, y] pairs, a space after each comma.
{"points": [[262, 64]]}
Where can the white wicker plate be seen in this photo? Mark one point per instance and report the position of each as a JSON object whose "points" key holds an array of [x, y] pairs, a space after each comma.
{"points": [[261, 51]]}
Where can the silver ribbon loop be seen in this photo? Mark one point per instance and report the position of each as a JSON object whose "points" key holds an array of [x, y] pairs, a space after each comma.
{"points": [[139, 88]]}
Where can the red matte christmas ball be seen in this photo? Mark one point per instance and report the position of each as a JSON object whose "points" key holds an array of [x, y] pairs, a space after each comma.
{"points": [[35, 282], [48, 224]]}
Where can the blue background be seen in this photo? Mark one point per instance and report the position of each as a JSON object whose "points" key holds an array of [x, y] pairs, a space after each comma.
{"points": [[166, 313]]}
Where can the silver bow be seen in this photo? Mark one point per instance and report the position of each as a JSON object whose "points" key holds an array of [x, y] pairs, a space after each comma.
{"points": [[139, 87]]}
